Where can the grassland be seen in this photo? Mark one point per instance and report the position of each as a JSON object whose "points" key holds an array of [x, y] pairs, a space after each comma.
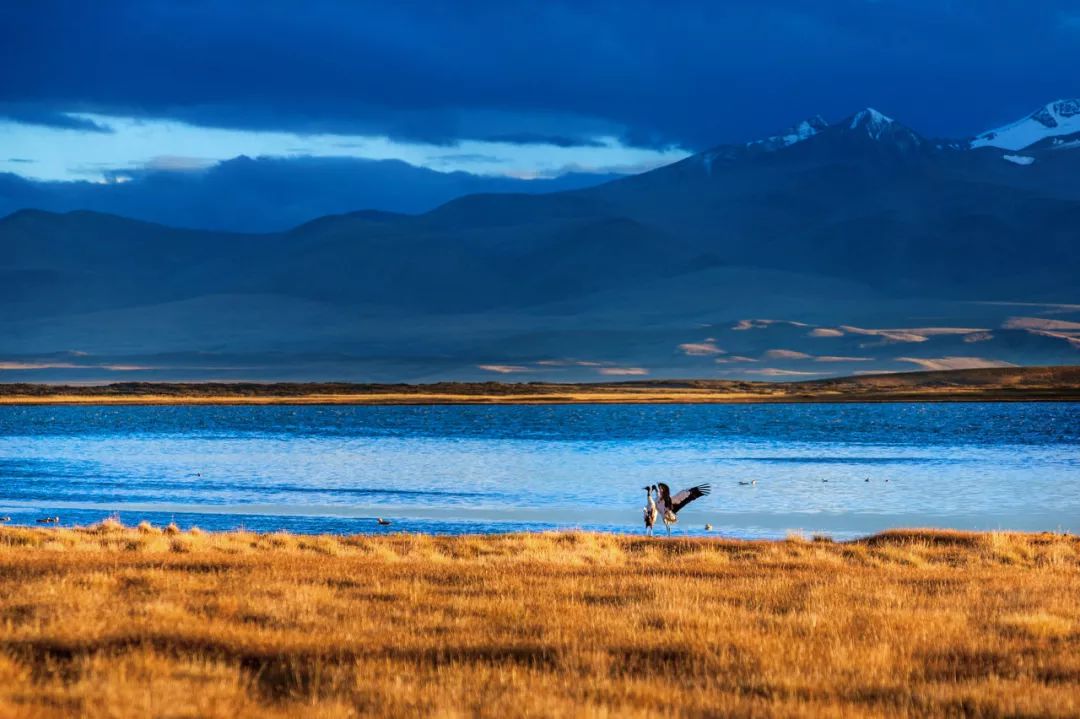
{"points": [[991, 384], [124, 622]]}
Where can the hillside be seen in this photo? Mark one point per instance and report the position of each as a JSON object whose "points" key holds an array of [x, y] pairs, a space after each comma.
{"points": [[795, 257]]}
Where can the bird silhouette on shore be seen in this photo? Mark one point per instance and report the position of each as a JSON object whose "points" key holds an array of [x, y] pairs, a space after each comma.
{"points": [[649, 513]]}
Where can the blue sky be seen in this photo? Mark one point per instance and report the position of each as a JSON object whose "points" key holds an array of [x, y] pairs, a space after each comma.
{"points": [[93, 89], [124, 145]]}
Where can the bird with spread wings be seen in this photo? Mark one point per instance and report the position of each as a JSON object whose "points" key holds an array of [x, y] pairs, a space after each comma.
{"points": [[669, 505]]}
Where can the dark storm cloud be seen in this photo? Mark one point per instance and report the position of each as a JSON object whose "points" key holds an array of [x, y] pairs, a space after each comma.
{"points": [[50, 118], [651, 73], [536, 138]]}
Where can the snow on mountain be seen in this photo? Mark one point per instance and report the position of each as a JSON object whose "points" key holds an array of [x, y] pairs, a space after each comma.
{"points": [[872, 121], [1055, 126], [797, 133], [869, 124], [1061, 117], [802, 131], [1061, 142]]}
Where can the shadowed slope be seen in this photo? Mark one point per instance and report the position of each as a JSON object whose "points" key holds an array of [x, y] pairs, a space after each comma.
{"points": [[864, 223]]}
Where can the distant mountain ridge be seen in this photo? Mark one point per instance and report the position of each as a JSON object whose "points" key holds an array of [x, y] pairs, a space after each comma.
{"points": [[269, 194], [1055, 125], [860, 241]]}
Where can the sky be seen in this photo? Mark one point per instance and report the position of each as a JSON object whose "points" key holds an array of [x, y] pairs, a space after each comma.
{"points": [[101, 90]]}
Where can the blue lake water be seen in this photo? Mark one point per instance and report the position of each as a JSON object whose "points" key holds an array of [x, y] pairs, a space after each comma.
{"points": [[509, 468]]}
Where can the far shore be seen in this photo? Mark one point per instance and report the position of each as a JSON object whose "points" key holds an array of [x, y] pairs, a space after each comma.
{"points": [[613, 398], [1007, 384]]}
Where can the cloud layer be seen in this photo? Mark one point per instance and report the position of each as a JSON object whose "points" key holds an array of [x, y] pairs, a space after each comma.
{"points": [[693, 74]]}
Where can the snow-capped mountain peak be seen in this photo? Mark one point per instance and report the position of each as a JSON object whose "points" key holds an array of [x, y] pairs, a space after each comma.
{"points": [[1061, 117], [797, 133], [874, 122]]}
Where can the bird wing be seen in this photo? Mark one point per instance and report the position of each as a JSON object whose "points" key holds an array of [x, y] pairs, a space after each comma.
{"points": [[687, 496], [665, 496]]}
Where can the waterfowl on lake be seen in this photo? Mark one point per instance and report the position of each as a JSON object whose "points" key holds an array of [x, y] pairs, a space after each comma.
{"points": [[5, 518], [48, 520], [670, 505], [751, 483], [649, 512], [383, 522], [708, 527]]}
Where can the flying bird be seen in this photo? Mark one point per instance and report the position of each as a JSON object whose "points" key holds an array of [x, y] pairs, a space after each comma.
{"points": [[650, 509], [670, 505]]}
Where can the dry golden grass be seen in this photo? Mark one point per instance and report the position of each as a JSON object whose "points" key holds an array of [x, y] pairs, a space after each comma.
{"points": [[115, 622]]}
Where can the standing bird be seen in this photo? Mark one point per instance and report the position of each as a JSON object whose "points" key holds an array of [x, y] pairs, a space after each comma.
{"points": [[670, 505], [650, 509]]}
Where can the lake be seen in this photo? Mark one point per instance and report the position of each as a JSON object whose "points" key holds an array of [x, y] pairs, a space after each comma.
{"points": [[454, 469]]}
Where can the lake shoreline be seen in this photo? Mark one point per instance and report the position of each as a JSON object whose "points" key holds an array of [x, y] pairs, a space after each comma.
{"points": [[110, 527], [539, 400]]}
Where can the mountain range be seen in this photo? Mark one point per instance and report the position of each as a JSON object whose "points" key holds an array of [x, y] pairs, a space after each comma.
{"points": [[825, 249], [267, 194]]}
